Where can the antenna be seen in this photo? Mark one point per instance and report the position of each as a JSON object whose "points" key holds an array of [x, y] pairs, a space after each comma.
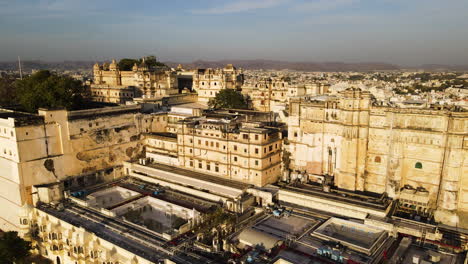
{"points": [[20, 70]]}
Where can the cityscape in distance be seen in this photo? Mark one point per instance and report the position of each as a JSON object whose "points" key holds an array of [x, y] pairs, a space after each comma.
{"points": [[262, 131]]}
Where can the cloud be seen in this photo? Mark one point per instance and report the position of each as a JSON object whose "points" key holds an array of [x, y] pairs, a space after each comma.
{"points": [[322, 5], [239, 6]]}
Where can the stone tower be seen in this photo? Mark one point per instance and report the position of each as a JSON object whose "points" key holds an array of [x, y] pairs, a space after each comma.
{"points": [[354, 106]]}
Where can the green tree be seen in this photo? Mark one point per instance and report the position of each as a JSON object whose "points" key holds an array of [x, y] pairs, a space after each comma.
{"points": [[127, 64], [13, 249], [150, 61], [228, 98], [7, 91], [44, 89]]}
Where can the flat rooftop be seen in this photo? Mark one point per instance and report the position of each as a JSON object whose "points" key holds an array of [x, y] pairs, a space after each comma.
{"points": [[200, 176], [345, 197], [152, 214], [285, 227], [187, 178], [168, 195], [109, 197], [136, 240], [350, 233], [21, 118], [424, 254], [129, 238]]}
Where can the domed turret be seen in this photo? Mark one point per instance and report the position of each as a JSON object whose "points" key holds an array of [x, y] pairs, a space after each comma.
{"points": [[143, 64], [96, 67], [113, 66], [135, 67]]}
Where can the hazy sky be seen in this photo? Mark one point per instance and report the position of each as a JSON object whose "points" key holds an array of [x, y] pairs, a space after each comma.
{"points": [[396, 31]]}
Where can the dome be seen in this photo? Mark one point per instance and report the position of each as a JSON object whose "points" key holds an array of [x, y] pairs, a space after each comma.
{"points": [[135, 67], [96, 66], [113, 65]]}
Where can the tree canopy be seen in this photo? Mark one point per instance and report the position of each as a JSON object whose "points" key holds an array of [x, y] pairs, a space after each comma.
{"points": [[13, 249], [228, 98], [152, 62], [7, 91], [126, 64], [44, 89]]}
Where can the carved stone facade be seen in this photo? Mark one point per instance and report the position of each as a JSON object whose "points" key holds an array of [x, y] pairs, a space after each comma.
{"points": [[208, 82], [116, 86], [383, 149], [268, 93], [247, 152]]}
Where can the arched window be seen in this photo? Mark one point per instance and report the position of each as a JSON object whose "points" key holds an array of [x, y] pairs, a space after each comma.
{"points": [[378, 159], [418, 165]]}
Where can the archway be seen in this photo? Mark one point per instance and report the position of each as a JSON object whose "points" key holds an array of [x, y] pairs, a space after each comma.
{"points": [[58, 260]]}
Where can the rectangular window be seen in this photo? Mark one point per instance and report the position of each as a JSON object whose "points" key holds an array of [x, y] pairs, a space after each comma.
{"points": [[235, 158], [216, 167], [256, 162], [208, 166], [200, 165], [191, 163], [212, 144], [256, 150], [245, 136], [256, 137], [235, 147], [270, 148], [199, 142], [217, 144]]}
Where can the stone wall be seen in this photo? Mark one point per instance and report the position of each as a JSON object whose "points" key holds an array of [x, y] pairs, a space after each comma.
{"points": [[382, 149]]}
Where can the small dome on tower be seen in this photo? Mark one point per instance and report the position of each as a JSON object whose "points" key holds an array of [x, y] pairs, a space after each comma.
{"points": [[113, 65], [135, 67], [96, 66]]}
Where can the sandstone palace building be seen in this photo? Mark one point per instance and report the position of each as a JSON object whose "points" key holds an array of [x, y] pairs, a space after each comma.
{"points": [[417, 155], [110, 84], [164, 178], [113, 85]]}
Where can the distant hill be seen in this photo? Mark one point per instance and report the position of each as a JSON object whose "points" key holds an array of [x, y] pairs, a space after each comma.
{"points": [[38, 65], [246, 64], [442, 67], [299, 66]]}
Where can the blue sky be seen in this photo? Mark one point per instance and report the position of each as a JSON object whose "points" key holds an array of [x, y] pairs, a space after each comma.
{"points": [[407, 32]]}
